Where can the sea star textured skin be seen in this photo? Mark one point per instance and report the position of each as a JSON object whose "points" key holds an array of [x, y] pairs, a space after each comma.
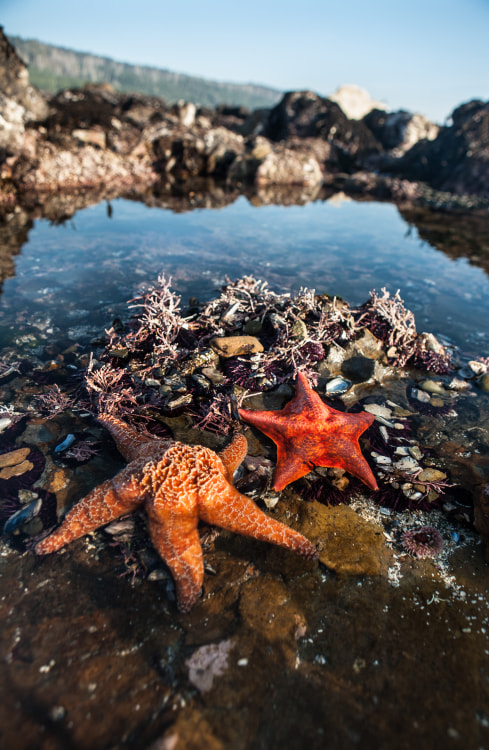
{"points": [[178, 485], [310, 433]]}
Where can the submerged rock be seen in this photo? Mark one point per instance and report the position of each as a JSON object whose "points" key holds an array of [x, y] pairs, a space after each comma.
{"points": [[346, 542]]}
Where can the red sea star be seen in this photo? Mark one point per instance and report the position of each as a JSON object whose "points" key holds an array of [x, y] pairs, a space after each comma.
{"points": [[310, 433], [178, 484]]}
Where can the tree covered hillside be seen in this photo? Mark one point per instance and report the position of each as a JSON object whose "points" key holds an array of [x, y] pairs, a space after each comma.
{"points": [[53, 68]]}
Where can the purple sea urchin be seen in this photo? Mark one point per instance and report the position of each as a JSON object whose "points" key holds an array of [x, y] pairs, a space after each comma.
{"points": [[425, 541]]}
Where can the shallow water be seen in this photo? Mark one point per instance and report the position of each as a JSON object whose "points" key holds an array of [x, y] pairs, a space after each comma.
{"points": [[94, 656], [78, 275]]}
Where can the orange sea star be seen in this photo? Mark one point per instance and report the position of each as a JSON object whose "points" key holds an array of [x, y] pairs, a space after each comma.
{"points": [[310, 433], [178, 484]]}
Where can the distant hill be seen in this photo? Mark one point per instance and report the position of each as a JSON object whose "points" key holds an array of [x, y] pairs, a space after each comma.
{"points": [[53, 68]]}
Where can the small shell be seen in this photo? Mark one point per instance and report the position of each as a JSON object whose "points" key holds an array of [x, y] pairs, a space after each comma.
{"points": [[337, 386], [382, 460], [228, 316], [407, 464], [378, 410], [24, 514], [4, 423], [122, 526], [67, 443], [412, 494], [401, 450], [415, 452]]}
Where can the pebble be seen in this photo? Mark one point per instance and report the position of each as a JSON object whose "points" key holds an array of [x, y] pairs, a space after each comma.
{"points": [[235, 346], [415, 452], [478, 368], [402, 450], [435, 401], [201, 358], [378, 410], [121, 353], [299, 330], [432, 386], [407, 463], [152, 382], [456, 384], [412, 494], [431, 475], [381, 460], [483, 383], [213, 375], [420, 395]]}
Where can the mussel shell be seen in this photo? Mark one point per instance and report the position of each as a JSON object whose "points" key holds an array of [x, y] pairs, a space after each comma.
{"points": [[337, 386], [21, 516]]}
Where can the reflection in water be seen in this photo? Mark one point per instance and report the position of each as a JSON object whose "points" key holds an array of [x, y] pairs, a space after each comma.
{"points": [[76, 276]]}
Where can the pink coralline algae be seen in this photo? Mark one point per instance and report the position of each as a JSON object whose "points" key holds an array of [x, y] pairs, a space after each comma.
{"points": [[425, 541]]}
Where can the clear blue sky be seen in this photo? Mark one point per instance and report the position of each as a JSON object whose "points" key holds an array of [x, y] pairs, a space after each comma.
{"points": [[422, 55]]}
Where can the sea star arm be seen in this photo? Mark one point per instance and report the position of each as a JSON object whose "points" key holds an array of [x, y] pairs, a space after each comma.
{"points": [[350, 458], [233, 511], [287, 471], [233, 455], [176, 539], [130, 443], [108, 501]]}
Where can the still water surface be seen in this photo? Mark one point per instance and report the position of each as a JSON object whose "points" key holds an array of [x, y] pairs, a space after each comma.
{"points": [[75, 277]]}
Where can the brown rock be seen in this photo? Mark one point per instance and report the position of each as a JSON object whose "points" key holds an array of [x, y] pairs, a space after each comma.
{"points": [[235, 346], [346, 542], [12, 458], [17, 470], [58, 480], [431, 475]]}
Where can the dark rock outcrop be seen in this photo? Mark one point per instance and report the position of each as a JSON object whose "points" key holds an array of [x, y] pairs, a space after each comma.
{"points": [[96, 138], [399, 131], [458, 159], [303, 114]]}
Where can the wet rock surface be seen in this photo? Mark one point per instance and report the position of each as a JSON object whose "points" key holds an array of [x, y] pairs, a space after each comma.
{"points": [[109, 665], [372, 644]]}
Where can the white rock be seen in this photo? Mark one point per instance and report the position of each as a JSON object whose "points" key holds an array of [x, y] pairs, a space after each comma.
{"points": [[355, 101]]}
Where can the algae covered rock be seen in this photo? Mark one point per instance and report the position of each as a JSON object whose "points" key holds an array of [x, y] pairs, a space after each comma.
{"points": [[346, 542]]}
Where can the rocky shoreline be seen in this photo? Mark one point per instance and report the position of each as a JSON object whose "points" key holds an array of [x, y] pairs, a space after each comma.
{"points": [[96, 139]]}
